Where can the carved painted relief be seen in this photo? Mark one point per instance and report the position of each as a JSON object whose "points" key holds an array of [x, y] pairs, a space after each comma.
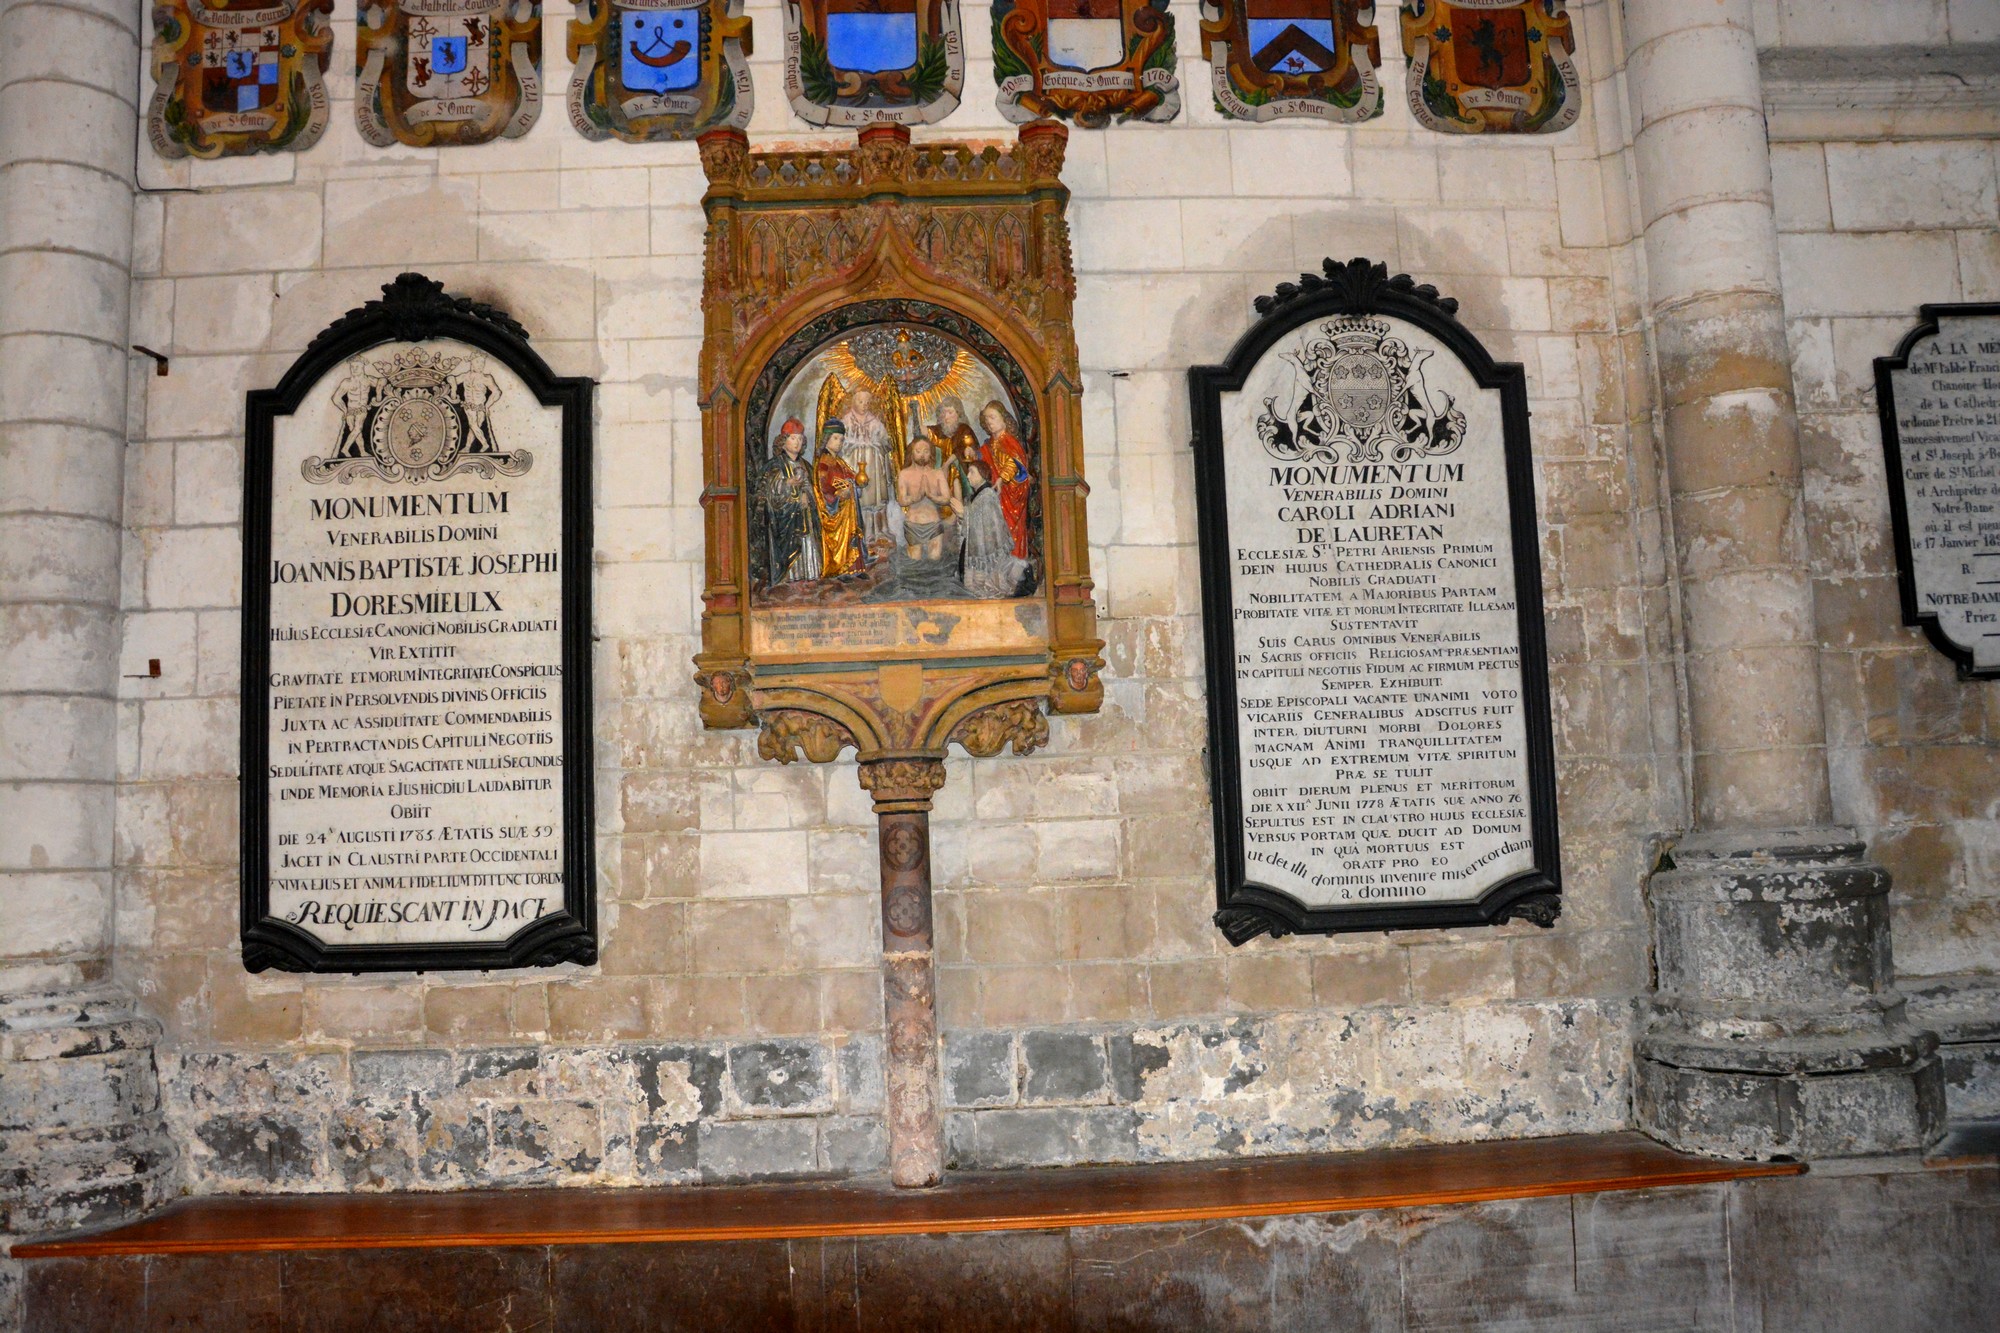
{"points": [[1090, 61], [874, 482], [447, 72], [652, 71], [1491, 66], [873, 62], [897, 553], [892, 440], [1273, 58], [239, 76]]}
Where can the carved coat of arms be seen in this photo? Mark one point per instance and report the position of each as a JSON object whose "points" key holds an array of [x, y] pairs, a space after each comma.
{"points": [[435, 72], [417, 415], [873, 62], [1360, 392], [1272, 58], [1491, 66], [1091, 61], [651, 71], [239, 76]]}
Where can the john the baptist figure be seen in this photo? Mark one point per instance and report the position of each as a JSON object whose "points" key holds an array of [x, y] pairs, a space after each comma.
{"points": [[838, 489], [1007, 461], [791, 546], [956, 446]]}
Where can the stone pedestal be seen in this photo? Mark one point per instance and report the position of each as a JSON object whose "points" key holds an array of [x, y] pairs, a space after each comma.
{"points": [[1775, 1029], [81, 1140]]}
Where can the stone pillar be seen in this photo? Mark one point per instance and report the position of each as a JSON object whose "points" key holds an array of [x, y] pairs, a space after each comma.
{"points": [[1775, 1029], [80, 1133], [902, 789]]}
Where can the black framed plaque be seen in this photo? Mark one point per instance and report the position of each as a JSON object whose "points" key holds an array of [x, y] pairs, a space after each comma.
{"points": [[416, 648], [1380, 750], [1939, 398]]}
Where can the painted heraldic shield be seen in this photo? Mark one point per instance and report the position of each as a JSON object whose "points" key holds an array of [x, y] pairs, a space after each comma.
{"points": [[1091, 61], [239, 76], [651, 71], [1273, 58], [873, 62], [1491, 66], [438, 72]]}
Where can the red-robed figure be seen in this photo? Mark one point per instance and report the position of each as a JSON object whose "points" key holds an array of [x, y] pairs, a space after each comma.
{"points": [[1008, 459]]}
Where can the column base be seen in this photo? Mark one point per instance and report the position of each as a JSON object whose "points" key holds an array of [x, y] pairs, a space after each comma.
{"points": [[81, 1136], [1775, 1029]]}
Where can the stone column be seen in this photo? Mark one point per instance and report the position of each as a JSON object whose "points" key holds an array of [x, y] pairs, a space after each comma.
{"points": [[1775, 1029], [80, 1132], [902, 789]]}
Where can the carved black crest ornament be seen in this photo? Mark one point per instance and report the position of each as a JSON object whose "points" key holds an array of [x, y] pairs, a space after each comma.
{"points": [[1380, 747]]}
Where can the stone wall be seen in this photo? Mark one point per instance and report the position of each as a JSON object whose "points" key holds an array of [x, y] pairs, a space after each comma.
{"points": [[1897, 211], [1092, 1012]]}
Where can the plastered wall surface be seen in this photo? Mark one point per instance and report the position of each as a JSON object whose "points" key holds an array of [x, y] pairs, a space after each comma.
{"points": [[1091, 1011]]}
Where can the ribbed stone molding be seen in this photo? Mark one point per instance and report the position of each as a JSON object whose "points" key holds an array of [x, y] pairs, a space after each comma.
{"points": [[80, 1130], [1776, 1029]]}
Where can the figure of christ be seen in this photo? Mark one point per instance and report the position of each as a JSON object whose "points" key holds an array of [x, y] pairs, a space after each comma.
{"points": [[920, 489], [1007, 464], [791, 517], [956, 445], [868, 447], [837, 487]]}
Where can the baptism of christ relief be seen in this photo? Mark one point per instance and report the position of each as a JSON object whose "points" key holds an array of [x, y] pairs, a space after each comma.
{"points": [[895, 468]]}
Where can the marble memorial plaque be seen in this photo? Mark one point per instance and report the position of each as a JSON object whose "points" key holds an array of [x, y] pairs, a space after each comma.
{"points": [[1940, 404], [1379, 705], [418, 662]]}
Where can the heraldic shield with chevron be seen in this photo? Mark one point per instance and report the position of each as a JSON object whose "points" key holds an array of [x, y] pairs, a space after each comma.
{"points": [[1275, 58]]}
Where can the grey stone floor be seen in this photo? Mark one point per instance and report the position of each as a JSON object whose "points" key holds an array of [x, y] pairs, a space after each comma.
{"points": [[1870, 1247]]}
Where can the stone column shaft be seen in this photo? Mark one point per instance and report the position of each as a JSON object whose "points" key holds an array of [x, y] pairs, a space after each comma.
{"points": [[1757, 732], [902, 790], [80, 1131], [1774, 1029]]}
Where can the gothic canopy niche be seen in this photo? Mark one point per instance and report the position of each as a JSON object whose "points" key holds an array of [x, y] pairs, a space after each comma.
{"points": [[653, 71], [1273, 58], [873, 62], [1491, 66], [431, 73], [1090, 61], [239, 76], [892, 448], [1380, 747]]}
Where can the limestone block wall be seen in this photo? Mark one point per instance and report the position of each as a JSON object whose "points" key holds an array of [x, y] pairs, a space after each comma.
{"points": [[1871, 231], [732, 1028]]}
